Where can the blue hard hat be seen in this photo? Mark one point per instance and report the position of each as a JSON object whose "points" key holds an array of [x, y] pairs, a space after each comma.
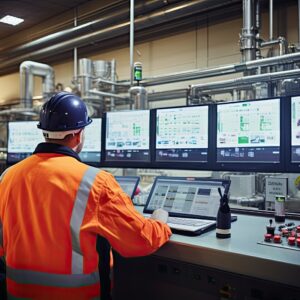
{"points": [[64, 111]]}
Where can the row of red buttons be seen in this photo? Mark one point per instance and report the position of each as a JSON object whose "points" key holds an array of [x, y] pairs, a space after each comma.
{"points": [[277, 239]]}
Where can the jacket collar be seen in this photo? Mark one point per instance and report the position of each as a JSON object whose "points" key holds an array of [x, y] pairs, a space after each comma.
{"points": [[55, 148]]}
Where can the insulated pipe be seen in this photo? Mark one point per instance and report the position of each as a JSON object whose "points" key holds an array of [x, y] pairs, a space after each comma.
{"points": [[244, 80], [131, 40], [138, 95], [105, 94], [271, 20], [298, 23], [28, 69], [75, 49], [220, 71], [248, 39], [113, 87], [162, 16]]}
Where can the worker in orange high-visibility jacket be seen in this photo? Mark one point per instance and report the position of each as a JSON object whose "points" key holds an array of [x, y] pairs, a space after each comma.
{"points": [[52, 207]]}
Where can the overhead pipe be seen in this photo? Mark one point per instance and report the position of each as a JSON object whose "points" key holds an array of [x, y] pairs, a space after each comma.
{"points": [[29, 69], [298, 23], [244, 81], [180, 10], [113, 78], [248, 36], [118, 14], [220, 71], [106, 94], [271, 20], [131, 46], [75, 73]]}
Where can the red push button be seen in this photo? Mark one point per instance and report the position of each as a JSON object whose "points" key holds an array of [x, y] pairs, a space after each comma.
{"points": [[277, 239], [298, 229], [291, 241], [268, 237], [284, 232]]}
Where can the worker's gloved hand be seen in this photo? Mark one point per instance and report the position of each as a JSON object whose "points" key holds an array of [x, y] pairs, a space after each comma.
{"points": [[160, 215]]}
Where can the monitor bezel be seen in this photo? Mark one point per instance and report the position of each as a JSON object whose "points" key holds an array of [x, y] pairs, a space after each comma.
{"points": [[292, 167], [121, 163], [250, 166], [182, 165], [137, 181]]}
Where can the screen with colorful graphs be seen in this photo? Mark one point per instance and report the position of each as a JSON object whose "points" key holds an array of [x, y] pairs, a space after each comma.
{"points": [[127, 136], [249, 131]]}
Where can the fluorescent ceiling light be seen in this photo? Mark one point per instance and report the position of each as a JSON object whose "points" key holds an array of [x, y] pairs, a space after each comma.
{"points": [[11, 20]]}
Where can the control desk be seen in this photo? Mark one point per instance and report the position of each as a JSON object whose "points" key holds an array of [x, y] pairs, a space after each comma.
{"points": [[204, 267]]}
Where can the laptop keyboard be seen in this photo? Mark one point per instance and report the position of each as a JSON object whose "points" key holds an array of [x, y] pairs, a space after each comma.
{"points": [[187, 222]]}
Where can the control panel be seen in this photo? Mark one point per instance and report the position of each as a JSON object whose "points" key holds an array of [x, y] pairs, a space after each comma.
{"points": [[284, 236]]}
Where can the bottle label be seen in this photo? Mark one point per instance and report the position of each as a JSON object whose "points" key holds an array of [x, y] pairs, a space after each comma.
{"points": [[279, 205], [223, 231]]}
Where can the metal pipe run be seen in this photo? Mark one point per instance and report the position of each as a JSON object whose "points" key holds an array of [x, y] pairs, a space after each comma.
{"points": [[244, 81], [220, 71], [106, 94]]}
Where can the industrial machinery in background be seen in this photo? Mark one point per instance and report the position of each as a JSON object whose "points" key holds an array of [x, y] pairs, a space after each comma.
{"points": [[268, 68]]}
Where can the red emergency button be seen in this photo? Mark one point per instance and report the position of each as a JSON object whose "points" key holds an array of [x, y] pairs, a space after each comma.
{"points": [[298, 242], [268, 237], [284, 232], [277, 239], [291, 241], [298, 229]]}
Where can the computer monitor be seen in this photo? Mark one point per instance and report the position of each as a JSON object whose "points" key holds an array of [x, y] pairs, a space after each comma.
{"points": [[23, 137], [248, 135], [186, 196], [182, 135], [128, 184], [91, 152], [127, 137]]}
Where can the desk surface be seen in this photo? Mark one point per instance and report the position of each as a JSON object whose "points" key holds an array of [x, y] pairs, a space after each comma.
{"points": [[239, 254]]}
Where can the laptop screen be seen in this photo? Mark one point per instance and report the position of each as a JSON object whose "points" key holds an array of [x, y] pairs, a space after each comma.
{"points": [[128, 184], [186, 197]]}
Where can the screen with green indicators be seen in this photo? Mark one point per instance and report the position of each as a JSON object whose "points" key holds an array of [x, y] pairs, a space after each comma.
{"points": [[127, 136], [249, 131]]}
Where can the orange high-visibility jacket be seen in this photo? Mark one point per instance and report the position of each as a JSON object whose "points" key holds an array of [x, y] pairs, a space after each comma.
{"points": [[52, 207]]}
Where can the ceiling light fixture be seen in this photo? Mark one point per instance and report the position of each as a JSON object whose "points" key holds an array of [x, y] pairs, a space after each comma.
{"points": [[11, 20]]}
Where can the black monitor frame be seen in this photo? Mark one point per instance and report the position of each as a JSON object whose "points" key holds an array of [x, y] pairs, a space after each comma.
{"points": [[187, 165], [136, 179], [26, 154], [124, 163], [289, 165], [251, 166], [95, 163]]}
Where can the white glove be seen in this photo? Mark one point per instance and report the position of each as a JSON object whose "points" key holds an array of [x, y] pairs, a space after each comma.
{"points": [[160, 215]]}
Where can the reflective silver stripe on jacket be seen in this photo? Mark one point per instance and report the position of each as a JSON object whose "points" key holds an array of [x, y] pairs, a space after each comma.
{"points": [[54, 280], [78, 215]]}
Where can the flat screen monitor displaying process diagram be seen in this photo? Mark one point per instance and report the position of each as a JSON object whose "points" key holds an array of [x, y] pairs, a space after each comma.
{"points": [[249, 132], [127, 136], [182, 134], [23, 137]]}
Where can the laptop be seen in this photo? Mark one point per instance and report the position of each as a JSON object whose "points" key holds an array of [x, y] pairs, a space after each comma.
{"points": [[128, 184], [192, 202]]}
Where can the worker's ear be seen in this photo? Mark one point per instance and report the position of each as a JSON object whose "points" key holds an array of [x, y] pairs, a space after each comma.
{"points": [[79, 136]]}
